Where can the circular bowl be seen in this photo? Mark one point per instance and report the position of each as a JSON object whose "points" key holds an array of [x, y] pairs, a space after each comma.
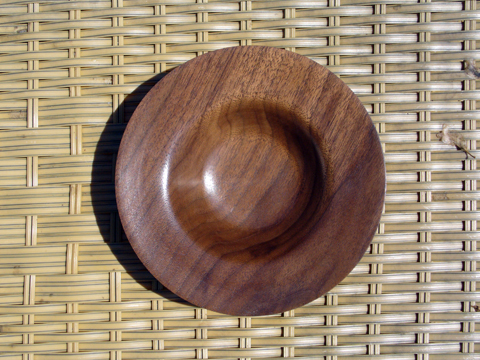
{"points": [[250, 180]]}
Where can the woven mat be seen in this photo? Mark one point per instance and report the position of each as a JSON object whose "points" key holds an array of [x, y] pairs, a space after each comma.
{"points": [[72, 73]]}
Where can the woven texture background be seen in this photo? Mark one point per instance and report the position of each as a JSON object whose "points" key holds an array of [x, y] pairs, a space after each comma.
{"points": [[72, 73]]}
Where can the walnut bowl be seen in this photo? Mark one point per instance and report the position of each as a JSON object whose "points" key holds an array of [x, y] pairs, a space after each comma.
{"points": [[250, 180]]}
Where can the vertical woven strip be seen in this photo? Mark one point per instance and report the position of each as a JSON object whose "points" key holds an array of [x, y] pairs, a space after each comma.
{"points": [[71, 75]]}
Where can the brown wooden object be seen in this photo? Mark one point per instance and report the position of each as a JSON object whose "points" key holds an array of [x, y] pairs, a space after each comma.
{"points": [[250, 180]]}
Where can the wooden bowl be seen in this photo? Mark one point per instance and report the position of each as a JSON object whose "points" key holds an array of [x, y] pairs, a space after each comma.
{"points": [[250, 180]]}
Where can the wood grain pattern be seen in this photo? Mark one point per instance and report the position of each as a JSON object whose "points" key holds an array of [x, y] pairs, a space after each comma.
{"points": [[250, 180]]}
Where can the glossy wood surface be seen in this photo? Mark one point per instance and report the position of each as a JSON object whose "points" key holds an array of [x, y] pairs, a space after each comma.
{"points": [[250, 180]]}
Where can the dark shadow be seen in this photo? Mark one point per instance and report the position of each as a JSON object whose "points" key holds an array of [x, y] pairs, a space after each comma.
{"points": [[103, 191]]}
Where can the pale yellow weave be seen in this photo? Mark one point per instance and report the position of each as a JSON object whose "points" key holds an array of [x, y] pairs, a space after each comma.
{"points": [[72, 73]]}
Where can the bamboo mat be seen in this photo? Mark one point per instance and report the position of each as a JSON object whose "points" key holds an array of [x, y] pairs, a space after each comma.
{"points": [[72, 73]]}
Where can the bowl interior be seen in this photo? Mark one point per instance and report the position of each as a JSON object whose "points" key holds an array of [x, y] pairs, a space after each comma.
{"points": [[245, 176]]}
